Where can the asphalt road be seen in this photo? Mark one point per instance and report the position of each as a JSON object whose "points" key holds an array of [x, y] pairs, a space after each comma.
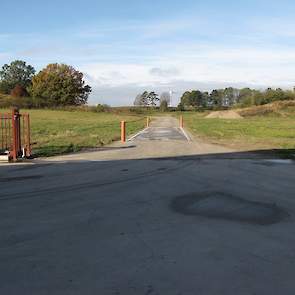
{"points": [[197, 224]]}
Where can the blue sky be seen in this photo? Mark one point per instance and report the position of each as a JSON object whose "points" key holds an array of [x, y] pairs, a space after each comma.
{"points": [[124, 47]]}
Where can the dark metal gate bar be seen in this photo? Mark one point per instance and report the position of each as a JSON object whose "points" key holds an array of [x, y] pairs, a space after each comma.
{"points": [[15, 135], [5, 136]]}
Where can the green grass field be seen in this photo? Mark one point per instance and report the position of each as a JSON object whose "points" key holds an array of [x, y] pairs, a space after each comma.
{"points": [[255, 132], [57, 132]]}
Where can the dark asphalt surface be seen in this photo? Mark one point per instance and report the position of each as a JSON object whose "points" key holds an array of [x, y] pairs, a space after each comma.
{"points": [[186, 225]]}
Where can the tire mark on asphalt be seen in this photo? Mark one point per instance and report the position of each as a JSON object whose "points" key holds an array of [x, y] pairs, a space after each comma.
{"points": [[35, 194]]}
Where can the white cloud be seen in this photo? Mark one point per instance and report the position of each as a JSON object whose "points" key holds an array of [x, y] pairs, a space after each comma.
{"points": [[164, 72], [237, 65], [192, 52], [207, 68]]}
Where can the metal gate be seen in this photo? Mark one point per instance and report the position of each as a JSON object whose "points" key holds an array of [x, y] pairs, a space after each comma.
{"points": [[15, 135]]}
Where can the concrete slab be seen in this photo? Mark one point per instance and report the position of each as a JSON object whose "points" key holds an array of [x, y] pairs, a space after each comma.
{"points": [[163, 129], [161, 133]]}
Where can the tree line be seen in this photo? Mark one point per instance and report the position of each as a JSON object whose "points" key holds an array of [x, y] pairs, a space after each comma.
{"points": [[62, 85], [55, 85], [216, 99], [229, 97]]}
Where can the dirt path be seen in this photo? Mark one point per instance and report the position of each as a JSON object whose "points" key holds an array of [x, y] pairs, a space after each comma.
{"points": [[168, 122], [164, 138]]}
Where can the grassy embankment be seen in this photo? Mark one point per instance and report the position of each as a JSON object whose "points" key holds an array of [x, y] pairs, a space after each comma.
{"points": [[57, 132], [265, 127]]}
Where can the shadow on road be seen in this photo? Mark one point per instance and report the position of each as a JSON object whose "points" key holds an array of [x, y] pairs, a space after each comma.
{"points": [[68, 149], [172, 224]]}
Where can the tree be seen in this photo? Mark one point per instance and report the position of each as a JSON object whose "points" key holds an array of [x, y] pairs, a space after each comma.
{"points": [[137, 101], [180, 107], [59, 85], [185, 99], [141, 99], [246, 97], [230, 95], [216, 97], [194, 98], [153, 98], [205, 99], [258, 97], [17, 73]]}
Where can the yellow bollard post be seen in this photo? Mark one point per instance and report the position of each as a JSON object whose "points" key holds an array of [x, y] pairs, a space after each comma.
{"points": [[147, 122], [123, 131], [181, 121]]}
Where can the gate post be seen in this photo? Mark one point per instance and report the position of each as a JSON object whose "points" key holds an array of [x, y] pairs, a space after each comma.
{"points": [[123, 131], [28, 136], [15, 133]]}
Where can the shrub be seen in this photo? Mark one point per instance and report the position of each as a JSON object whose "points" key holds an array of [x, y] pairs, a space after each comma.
{"points": [[18, 91]]}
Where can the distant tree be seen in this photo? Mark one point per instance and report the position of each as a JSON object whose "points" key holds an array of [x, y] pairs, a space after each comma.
{"points": [[230, 95], [180, 107], [145, 98], [18, 91], [141, 99], [290, 95], [258, 97], [280, 94], [185, 99], [271, 95], [216, 97], [153, 98], [194, 98], [165, 96], [60, 84], [137, 100], [246, 97], [164, 106], [17, 73], [205, 99], [199, 98]]}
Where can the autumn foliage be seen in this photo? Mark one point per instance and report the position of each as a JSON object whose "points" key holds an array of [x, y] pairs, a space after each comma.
{"points": [[18, 91], [59, 85]]}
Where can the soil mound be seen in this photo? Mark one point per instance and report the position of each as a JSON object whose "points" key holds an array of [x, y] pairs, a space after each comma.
{"points": [[224, 115]]}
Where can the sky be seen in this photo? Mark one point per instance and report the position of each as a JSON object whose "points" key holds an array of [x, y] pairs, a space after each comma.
{"points": [[125, 46]]}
